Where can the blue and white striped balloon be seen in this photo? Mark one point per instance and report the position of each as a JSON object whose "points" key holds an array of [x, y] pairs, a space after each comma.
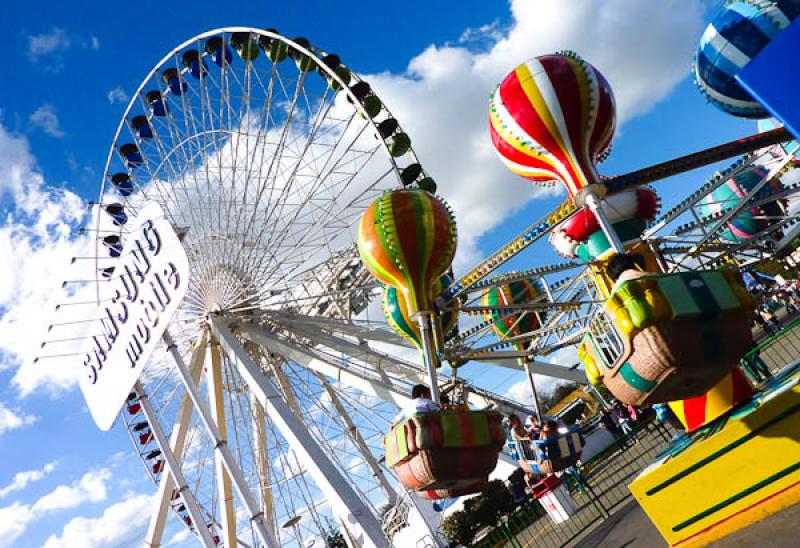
{"points": [[736, 35]]}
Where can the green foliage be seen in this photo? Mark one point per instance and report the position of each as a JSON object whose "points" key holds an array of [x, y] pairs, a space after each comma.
{"points": [[459, 528], [560, 391], [333, 536], [497, 498], [481, 511], [774, 267]]}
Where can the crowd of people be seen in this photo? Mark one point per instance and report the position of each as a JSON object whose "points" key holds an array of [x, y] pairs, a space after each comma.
{"points": [[773, 300]]}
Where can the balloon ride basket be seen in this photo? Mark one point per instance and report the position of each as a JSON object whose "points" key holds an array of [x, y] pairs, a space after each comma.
{"points": [[730, 474]]}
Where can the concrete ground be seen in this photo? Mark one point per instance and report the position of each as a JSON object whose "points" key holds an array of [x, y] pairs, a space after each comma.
{"points": [[630, 528]]}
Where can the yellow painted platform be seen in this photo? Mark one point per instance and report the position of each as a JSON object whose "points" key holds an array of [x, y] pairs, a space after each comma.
{"points": [[729, 476]]}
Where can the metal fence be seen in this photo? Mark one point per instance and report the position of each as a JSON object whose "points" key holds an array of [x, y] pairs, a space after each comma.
{"points": [[602, 491], [606, 477], [773, 353]]}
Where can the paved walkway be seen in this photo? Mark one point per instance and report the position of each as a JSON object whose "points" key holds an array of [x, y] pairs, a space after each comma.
{"points": [[630, 528]]}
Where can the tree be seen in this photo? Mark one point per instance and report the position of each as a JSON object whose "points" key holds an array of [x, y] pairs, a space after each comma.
{"points": [[458, 527], [333, 536], [560, 391], [516, 485], [498, 498]]}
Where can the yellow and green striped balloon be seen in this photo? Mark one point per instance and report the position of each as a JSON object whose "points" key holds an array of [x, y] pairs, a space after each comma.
{"points": [[407, 240], [507, 324], [396, 312]]}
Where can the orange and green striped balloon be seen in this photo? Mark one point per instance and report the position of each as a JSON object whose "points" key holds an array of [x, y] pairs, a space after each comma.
{"points": [[507, 324], [407, 240], [396, 312], [552, 119]]}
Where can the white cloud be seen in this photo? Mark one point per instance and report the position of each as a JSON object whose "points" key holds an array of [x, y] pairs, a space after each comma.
{"points": [[521, 391], [643, 48], [22, 479], [117, 95], [37, 237], [121, 523], [11, 420], [14, 520], [54, 41], [17, 517], [181, 536], [46, 119], [90, 488], [95, 42], [483, 35]]}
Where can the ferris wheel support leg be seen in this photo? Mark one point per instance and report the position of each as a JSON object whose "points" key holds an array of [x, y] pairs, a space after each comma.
{"points": [[362, 525], [174, 469], [177, 444], [431, 359], [262, 462], [358, 440], [221, 448], [217, 403]]}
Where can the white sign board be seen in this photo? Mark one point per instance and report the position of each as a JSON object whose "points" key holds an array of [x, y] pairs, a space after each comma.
{"points": [[148, 284]]}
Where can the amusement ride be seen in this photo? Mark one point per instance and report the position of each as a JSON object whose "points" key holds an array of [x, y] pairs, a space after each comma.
{"points": [[320, 288]]}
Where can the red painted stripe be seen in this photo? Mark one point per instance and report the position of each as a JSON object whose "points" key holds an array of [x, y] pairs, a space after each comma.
{"points": [[582, 225], [646, 203], [741, 386], [512, 154], [402, 210], [523, 112], [694, 410], [566, 81], [467, 429], [606, 116]]}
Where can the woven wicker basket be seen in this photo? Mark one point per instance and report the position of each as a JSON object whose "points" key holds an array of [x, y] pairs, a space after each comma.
{"points": [[452, 468], [684, 358]]}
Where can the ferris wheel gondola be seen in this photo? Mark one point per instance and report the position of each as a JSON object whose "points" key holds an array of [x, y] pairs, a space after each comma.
{"points": [[262, 151]]}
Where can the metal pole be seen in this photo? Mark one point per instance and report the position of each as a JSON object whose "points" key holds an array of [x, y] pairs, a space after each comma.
{"points": [[536, 407], [177, 444], [262, 463], [428, 352], [174, 469], [221, 448], [596, 206], [344, 501], [358, 440], [216, 400], [599, 396]]}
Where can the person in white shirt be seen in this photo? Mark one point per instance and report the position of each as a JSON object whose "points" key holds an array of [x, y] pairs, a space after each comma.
{"points": [[421, 402]]}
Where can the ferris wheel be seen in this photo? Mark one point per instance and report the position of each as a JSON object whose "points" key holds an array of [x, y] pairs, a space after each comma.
{"points": [[261, 415]]}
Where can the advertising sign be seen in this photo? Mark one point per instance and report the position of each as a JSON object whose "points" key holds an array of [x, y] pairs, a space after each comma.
{"points": [[149, 282]]}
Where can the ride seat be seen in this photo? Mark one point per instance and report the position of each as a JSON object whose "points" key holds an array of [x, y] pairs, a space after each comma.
{"points": [[680, 334], [549, 455], [445, 453]]}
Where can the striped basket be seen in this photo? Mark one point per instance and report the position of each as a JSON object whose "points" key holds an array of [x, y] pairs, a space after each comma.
{"points": [[682, 333], [548, 456], [446, 453]]}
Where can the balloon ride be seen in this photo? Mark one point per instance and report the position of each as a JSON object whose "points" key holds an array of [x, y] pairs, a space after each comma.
{"points": [[297, 201]]}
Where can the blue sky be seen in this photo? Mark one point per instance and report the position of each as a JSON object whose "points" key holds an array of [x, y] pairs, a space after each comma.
{"points": [[434, 64]]}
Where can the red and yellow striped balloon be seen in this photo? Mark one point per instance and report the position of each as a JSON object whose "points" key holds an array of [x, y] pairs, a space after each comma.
{"points": [[407, 239], [552, 119]]}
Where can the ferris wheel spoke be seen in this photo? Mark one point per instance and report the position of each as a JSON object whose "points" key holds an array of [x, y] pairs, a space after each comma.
{"points": [[292, 175], [264, 165]]}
